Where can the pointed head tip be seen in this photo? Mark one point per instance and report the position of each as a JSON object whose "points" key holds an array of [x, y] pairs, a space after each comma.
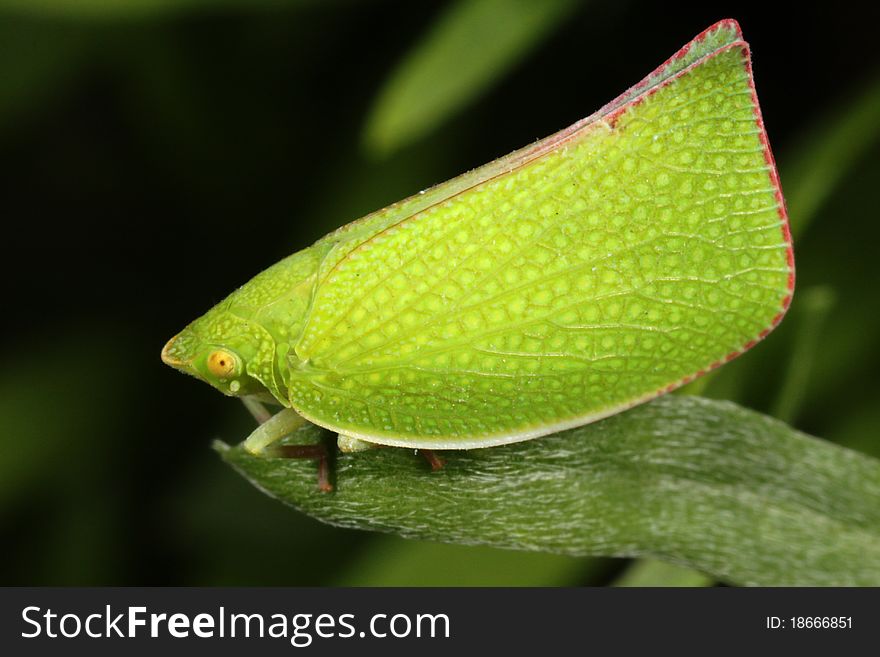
{"points": [[168, 356], [173, 353]]}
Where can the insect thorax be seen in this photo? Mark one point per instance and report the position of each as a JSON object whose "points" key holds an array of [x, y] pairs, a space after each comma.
{"points": [[275, 305]]}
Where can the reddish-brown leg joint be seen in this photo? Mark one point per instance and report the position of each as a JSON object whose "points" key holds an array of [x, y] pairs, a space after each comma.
{"points": [[318, 452], [433, 460]]}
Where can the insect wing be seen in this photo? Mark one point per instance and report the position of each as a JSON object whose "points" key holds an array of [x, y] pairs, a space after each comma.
{"points": [[614, 261]]}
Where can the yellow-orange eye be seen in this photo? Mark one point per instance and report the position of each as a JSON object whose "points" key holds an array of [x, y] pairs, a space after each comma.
{"points": [[221, 363]]}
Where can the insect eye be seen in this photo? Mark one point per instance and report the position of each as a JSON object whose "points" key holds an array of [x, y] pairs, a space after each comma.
{"points": [[221, 363]]}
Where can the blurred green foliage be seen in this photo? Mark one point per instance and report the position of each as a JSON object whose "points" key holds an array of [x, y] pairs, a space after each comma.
{"points": [[139, 135], [647, 572], [470, 46]]}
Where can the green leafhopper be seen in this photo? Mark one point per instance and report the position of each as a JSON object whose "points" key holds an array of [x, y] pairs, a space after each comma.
{"points": [[584, 274]]}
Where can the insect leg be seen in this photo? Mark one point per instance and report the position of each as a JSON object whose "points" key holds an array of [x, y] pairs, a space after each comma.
{"points": [[433, 460], [350, 444], [262, 441], [318, 452], [261, 413], [272, 430]]}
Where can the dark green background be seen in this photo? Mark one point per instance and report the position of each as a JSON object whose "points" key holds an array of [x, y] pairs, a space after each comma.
{"points": [[153, 162]]}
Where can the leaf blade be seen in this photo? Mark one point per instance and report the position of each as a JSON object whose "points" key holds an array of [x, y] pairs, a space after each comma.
{"points": [[701, 483]]}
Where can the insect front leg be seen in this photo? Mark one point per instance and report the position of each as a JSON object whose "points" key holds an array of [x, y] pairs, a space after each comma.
{"points": [[262, 441], [272, 430], [257, 409]]}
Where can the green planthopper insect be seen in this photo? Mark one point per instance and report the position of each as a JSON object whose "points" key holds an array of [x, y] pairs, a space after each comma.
{"points": [[589, 272]]}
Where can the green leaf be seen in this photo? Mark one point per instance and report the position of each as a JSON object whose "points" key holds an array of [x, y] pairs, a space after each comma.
{"points": [[704, 484], [471, 46]]}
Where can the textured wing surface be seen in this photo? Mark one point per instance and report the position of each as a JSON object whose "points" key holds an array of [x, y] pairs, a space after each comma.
{"points": [[346, 238], [649, 246]]}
